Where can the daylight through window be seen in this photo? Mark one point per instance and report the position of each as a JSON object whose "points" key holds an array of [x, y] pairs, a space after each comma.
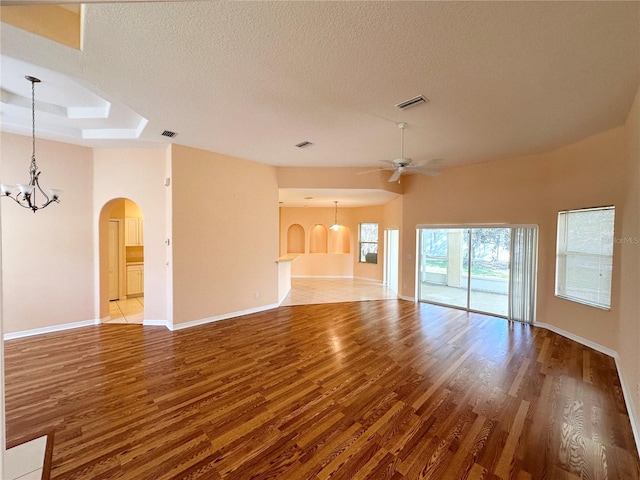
{"points": [[584, 256], [368, 237]]}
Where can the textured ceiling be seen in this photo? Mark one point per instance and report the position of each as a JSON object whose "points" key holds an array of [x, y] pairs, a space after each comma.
{"points": [[252, 79]]}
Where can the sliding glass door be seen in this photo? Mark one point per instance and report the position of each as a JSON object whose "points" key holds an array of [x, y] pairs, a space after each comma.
{"points": [[471, 268], [489, 285], [443, 266]]}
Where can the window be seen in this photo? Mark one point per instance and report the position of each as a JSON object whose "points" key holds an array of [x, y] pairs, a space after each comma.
{"points": [[584, 256], [368, 237]]}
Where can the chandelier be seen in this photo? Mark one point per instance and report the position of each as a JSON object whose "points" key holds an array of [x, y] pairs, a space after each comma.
{"points": [[26, 194], [336, 225]]}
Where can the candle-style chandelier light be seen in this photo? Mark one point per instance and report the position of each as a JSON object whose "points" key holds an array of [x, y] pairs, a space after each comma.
{"points": [[26, 194]]}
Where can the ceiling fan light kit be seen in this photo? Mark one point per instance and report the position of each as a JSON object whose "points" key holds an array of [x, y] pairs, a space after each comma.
{"points": [[26, 193]]}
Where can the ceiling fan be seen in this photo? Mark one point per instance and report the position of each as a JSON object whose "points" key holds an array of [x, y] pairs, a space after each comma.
{"points": [[403, 165]]}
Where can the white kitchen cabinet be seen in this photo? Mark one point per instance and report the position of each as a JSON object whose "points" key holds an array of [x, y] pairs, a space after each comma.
{"points": [[135, 280], [133, 231]]}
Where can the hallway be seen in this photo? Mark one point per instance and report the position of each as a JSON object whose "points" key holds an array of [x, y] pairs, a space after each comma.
{"points": [[130, 311]]}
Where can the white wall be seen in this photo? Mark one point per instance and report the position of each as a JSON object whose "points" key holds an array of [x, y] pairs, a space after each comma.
{"points": [[138, 174], [48, 257]]}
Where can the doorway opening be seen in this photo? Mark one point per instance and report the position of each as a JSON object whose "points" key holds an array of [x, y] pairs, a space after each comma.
{"points": [[482, 269], [121, 262], [391, 258]]}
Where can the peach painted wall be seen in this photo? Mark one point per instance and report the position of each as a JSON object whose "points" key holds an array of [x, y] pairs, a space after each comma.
{"points": [[225, 235], [629, 331], [323, 265], [308, 264], [50, 21], [375, 214], [137, 174], [335, 178], [132, 209], [48, 256], [117, 210], [529, 190], [318, 264]]}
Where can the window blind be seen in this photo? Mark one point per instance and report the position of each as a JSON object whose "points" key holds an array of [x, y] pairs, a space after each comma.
{"points": [[584, 256]]}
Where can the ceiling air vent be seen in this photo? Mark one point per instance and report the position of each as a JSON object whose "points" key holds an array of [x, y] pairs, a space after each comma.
{"points": [[304, 144], [169, 133], [412, 102]]}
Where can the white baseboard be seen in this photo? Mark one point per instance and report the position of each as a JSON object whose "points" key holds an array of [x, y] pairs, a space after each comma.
{"points": [[157, 323], [323, 276], [224, 316], [577, 338], [53, 328], [627, 393], [283, 298]]}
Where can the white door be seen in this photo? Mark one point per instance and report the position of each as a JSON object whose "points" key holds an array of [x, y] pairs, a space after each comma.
{"points": [[114, 248], [391, 258]]}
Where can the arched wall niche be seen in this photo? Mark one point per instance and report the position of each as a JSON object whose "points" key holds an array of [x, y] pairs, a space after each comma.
{"points": [[295, 239], [318, 239]]}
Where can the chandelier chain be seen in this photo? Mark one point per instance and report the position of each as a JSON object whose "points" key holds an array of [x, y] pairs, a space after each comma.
{"points": [[33, 121], [26, 194]]}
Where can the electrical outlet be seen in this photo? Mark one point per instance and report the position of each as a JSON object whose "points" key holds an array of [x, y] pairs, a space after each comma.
{"points": [[638, 389], [257, 295]]}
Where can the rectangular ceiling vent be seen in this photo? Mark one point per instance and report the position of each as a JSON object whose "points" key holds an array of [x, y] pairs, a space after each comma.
{"points": [[412, 102], [169, 133], [304, 144]]}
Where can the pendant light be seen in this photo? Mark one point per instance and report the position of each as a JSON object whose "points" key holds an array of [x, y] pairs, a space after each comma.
{"points": [[26, 193], [335, 225]]}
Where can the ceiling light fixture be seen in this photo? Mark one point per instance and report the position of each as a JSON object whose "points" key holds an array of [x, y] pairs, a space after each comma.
{"points": [[335, 225], [26, 196]]}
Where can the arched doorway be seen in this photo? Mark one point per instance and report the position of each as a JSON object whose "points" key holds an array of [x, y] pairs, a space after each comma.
{"points": [[121, 246]]}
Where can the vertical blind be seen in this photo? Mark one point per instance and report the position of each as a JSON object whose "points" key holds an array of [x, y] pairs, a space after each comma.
{"points": [[522, 280], [435, 270]]}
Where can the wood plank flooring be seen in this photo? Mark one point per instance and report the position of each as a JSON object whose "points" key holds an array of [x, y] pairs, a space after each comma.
{"points": [[364, 390]]}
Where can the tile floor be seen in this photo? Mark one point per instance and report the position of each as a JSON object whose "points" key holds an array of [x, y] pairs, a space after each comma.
{"points": [[25, 461], [306, 291], [130, 310]]}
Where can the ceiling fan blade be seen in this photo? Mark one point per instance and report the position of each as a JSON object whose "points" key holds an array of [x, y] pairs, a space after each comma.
{"points": [[431, 173], [372, 171], [395, 176], [433, 162]]}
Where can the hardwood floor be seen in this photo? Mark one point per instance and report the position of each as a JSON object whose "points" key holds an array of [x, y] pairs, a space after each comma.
{"points": [[364, 390]]}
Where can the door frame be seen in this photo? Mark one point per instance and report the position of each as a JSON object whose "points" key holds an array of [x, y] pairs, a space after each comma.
{"points": [[391, 261], [467, 226], [119, 266], [122, 263]]}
